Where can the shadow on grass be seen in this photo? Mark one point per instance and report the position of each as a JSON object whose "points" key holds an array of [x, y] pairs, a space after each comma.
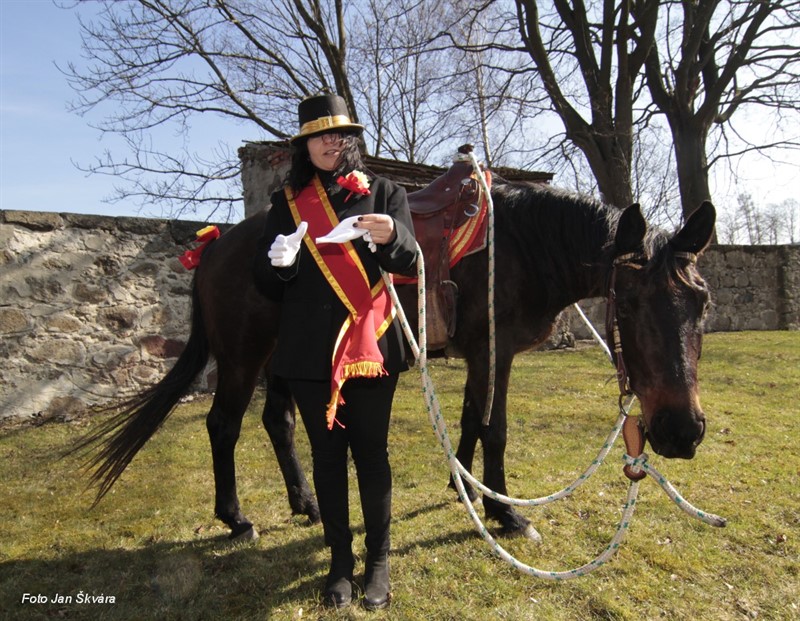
{"points": [[207, 578], [182, 580]]}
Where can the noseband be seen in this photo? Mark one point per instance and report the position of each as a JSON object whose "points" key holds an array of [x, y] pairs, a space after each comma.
{"points": [[632, 433]]}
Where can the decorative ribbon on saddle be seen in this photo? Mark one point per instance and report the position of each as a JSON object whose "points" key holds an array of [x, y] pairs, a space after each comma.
{"points": [[463, 240], [191, 258], [356, 352]]}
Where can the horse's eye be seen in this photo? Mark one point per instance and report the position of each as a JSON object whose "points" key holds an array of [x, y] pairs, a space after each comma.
{"points": [[704, 302], [626, 306]]}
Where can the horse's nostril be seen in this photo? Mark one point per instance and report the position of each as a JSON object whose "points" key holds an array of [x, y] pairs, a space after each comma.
{"points": [[676, 434], [702, 434]]}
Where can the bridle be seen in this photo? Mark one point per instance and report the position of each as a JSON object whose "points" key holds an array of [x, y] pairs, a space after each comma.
{"points": [[632, 431]]}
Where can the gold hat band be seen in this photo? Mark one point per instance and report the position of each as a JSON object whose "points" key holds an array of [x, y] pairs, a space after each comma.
{"points": [[323, 123]]}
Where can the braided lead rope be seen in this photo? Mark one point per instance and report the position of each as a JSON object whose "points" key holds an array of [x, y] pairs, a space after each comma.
{"points": [[419, 351], [594, 332], [641, 463], [434, 414], [563, 493], [487, 411], [440, 429], [456, 468], [625, 409]]}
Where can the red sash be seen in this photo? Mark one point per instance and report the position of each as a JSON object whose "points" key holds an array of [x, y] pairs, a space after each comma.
{"points": [[356, 352]]}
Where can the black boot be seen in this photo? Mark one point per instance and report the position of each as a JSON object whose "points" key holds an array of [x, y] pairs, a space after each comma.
{"points": [[338, 584], [376, 582]]}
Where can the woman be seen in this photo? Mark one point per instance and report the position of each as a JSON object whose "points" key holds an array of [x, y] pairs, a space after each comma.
{"points": [[338, 347]]}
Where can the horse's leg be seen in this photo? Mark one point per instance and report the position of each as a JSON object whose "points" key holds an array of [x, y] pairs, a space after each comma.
{"points": [[470, 430], [224, 422], [493, 440], [279, 421]]}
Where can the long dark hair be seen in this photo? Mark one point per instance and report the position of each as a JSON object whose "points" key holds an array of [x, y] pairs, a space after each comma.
{"points": [[302, 170]]}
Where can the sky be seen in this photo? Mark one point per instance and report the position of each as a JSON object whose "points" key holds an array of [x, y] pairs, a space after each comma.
{"points": [[42, 142], [39, 138]]}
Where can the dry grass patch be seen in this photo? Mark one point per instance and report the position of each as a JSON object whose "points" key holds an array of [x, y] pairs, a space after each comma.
{"points": [[154, 545]]}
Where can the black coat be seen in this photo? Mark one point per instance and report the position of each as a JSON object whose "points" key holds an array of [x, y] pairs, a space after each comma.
{"points": [[311, 313]]}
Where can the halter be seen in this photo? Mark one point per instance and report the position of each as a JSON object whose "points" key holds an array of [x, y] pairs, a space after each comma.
{"points": [[632, 431]]}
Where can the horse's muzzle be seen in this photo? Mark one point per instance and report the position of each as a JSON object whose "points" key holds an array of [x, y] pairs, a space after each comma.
{"points": [[676, 434]]}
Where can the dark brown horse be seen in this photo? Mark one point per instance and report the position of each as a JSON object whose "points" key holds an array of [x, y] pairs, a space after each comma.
{"points": [[552, 249]]}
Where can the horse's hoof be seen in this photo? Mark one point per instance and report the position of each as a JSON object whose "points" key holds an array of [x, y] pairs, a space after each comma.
{"points": [[531, 533], [251, 534], [528, 532]]}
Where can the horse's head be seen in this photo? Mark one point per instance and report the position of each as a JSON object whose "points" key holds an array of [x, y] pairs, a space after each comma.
{"points": [[660, 301]]}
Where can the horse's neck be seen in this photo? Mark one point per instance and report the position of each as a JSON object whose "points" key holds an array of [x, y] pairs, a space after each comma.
{"points": [[581, 267]]}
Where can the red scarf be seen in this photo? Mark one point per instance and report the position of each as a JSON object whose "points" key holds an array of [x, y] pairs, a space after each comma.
{"points": [[356, 353]]}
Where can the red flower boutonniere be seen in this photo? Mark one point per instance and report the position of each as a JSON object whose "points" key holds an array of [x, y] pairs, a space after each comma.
{"points": [[357, 182]]}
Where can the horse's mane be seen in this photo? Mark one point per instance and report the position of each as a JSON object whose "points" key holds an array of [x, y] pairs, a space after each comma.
{"points": [[559, 229], [561, 233]]}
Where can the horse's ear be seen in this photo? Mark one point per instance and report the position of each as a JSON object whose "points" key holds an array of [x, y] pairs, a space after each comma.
{"points": [[630, 230], [697, 232]]}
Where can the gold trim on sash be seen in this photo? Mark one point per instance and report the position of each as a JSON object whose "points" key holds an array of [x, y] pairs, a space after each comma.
{"points": [[312, 246], [368, 360]]}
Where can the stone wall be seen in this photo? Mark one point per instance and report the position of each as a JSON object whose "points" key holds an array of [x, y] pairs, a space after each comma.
{"points": [[752, 288], [90, 308], [97, 307]]}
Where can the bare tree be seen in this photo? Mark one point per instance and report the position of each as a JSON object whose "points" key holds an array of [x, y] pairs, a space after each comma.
{"points": [[750, 217], [791, 207], [403, 83], [749, 223], [610, 69], [427, 72], [495, 91], [589, 60], [654, 178], [779, 222], [712, 60], [154, 63], [729, 228]]}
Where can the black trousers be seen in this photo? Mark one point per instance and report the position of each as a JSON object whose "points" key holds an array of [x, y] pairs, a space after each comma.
{"points": [[365, 416]]}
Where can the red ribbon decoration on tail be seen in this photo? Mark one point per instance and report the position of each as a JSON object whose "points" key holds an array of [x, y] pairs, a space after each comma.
{"points": [[191, 258]]}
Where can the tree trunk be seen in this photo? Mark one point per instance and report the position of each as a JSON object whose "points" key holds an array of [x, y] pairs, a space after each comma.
{"points": [[610, 167], [690, 159]]}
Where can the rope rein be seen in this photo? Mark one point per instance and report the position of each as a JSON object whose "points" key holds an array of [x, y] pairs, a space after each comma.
{"points": [[487, 410], [636, 465]]}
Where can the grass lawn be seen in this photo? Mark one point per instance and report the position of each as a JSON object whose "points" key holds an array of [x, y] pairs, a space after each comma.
{"points": [[154, 546]]}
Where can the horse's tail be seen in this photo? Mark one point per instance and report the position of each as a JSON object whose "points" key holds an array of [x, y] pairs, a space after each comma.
{"points": [[119, 439]]}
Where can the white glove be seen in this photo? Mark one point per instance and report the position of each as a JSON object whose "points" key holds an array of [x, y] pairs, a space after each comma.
{"points": [[345, 231], [285, 247]]}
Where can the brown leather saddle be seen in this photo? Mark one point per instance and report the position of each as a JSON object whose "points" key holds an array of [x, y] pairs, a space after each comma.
{"points": [[437, 211]]}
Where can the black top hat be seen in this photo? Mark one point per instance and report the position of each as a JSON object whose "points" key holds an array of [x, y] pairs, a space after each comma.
{"points": [[324, 113]]}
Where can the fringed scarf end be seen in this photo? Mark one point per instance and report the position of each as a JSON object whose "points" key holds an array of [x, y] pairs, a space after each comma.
{"points": [[363, 368]]}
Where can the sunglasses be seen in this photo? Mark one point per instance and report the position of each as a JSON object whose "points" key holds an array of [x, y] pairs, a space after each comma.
{"points": [[329, 137]]}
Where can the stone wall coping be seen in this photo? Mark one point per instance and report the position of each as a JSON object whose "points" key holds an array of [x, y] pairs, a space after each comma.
{"points": [[181, 231]]}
